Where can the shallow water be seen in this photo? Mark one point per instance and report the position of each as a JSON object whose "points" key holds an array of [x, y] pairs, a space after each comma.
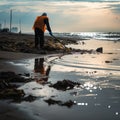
{"points": [[98, 97]]}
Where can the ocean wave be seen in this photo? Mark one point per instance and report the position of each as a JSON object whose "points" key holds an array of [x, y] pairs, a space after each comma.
{"points": [[114, 36]]}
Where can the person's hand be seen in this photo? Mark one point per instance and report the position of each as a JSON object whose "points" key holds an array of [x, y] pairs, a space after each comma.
{"points": [[51, 33]]}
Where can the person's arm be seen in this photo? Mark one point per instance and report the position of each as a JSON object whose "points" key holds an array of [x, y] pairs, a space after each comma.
{"points": [[48, 25]]}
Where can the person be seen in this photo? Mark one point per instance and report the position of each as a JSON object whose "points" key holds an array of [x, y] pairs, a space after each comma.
{"points": [[39, 68], [39, 27]]}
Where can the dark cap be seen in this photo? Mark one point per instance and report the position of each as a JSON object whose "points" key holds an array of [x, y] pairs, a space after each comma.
{"points": [[44, 14]]}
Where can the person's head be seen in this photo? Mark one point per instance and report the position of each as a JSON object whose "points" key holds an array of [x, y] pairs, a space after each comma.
{"points": [[44, 14]]}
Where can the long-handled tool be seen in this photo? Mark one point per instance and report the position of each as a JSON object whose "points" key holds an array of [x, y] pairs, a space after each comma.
{"points": [[58, 41]]}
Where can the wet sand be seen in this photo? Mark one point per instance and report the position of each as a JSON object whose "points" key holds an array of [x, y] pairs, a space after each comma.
{"points": [[97, 97]]}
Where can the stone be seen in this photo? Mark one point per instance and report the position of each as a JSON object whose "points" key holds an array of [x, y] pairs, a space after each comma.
{"points": [[68, 103], [65, 85], [100, 50]]}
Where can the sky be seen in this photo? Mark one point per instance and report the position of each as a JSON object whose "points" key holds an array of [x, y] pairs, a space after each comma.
{"points": [[64, 15]]}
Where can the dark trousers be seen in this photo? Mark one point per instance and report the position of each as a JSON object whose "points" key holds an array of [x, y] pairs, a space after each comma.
{"points": [[39, 38]]}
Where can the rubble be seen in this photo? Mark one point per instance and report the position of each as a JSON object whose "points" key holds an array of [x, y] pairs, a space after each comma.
{"points": [[68, 103], [10, 76], [65, 85], [25, 43], [10, 91]]}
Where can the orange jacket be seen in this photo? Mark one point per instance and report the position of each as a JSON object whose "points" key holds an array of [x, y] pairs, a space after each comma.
{"points": [[39, 23], [40, 70]]}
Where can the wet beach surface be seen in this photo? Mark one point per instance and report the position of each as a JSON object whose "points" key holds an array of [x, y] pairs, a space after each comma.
{"points": [[96, 97]]}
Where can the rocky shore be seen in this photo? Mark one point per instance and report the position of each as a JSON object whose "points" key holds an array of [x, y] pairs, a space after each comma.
{"points": [[25, 43]]}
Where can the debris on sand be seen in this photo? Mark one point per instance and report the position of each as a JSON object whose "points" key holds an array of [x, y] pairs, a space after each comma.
{"points": [[10, 91], [65, 85], [29, 98], [68, 103], [100, 50], [10, 76], [25, 43]]}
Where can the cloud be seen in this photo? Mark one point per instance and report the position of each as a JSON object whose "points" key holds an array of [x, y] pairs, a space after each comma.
{"points": [[65, 15], [115, 7]]}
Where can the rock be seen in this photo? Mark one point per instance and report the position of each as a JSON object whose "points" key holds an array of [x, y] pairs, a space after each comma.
{"points": [[52, 102], [3, 85], [27, 74], [100, 50], [11, 94], [65, 85], [12, 77], [108, 61], [60, 103], [69, 104], [29, 98], [7, 75]]}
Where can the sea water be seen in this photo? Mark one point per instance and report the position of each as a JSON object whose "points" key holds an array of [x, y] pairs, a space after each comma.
{"points": [[91, 35]]}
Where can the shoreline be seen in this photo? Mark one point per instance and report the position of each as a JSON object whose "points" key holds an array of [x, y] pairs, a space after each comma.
{"points": [[25, 44]]}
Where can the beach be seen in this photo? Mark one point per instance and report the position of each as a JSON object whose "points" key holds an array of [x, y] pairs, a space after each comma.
{"points": [[79, 84]]}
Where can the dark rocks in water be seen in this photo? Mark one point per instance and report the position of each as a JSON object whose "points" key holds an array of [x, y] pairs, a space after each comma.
{"points": [[29, 98], [52, 102], [11, 93], [8, 91], [16, 95], [60, 103], [12, 77], [100, 50], [6, 75], [65, 85], [27, 74], [69, 104], [5, 85]]}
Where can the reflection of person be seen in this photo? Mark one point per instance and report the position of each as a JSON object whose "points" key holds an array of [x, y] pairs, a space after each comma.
{"points": [[39, 67], [39, 28]]}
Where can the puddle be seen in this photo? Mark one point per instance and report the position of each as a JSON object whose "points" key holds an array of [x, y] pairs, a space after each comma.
{"points": [[99, 90]]}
